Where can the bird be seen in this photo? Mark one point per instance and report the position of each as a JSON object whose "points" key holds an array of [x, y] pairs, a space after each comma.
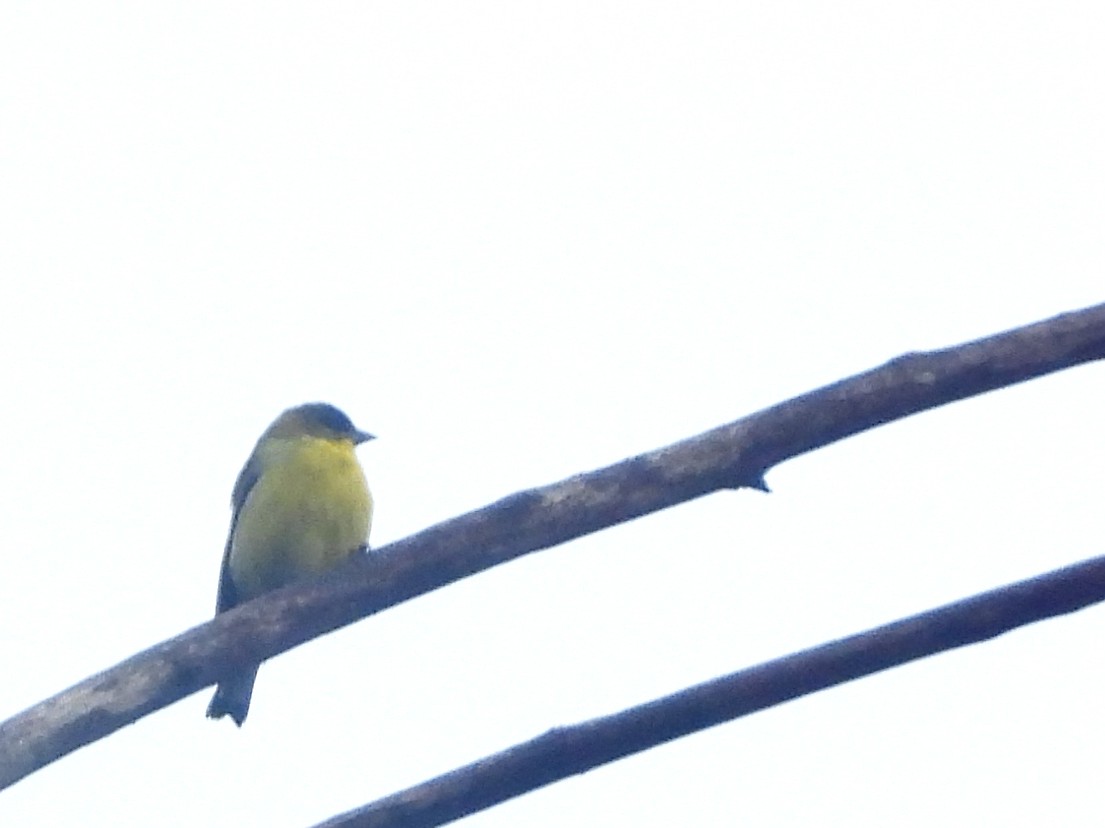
{"points": [[300, 507]]}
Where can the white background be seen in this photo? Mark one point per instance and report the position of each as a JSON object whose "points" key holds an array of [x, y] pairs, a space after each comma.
{"points": [[519, 241]]}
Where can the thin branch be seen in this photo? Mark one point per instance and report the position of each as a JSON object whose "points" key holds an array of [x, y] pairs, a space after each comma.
{"points": [[566, 751], [728, 457]]}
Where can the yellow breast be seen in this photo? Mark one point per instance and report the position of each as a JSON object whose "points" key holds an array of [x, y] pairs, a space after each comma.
{"points": [[308, 511]]}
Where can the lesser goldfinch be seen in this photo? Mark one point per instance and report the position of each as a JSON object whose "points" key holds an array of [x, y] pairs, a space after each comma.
{"points": [[300, 506]]}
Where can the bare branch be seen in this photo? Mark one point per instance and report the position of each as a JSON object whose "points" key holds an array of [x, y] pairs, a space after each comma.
{"points": [[731, 456], [566, 751]]}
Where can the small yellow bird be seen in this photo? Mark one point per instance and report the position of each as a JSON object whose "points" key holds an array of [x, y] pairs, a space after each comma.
{"points": [[300, 507]]}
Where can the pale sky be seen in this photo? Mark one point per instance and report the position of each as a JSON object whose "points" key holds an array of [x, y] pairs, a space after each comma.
{"points": [[518, 241]]}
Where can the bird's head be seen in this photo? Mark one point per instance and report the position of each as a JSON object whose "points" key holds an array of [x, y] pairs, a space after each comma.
{"points": [[318, 420]]}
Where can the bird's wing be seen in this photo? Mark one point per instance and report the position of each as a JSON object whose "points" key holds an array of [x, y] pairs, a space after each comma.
{"points": [[247, 479]]}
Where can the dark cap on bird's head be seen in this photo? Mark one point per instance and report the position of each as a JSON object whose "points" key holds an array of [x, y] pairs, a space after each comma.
{"points": [[318, 420]]}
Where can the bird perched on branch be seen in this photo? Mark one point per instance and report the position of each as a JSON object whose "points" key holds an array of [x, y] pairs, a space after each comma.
{"points": [[300, 507]]}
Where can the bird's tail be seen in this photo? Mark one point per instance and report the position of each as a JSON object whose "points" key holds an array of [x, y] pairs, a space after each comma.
{"points": [[232, 696]]}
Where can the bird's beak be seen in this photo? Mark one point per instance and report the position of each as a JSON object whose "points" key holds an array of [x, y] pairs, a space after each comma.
{"points": [[362, 437]]}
